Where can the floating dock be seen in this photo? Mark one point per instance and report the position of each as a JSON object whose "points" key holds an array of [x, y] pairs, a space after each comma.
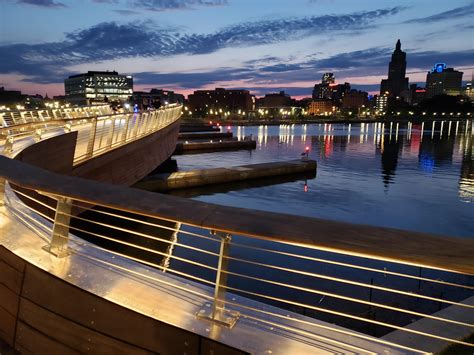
{"points": [[193, 178], [198, 128], [205, 135], [198, 147]]}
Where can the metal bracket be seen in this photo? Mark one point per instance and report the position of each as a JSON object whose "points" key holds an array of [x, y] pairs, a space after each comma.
{"points": [[224, 317], [216, 312], [60, 236]]}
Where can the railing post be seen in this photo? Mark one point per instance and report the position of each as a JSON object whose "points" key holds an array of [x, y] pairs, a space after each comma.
{"points": [[217, 312], [125, 128], [60, 235], [38, 134], [111, 132], [8, 146], [90, 144], [3, 182]]}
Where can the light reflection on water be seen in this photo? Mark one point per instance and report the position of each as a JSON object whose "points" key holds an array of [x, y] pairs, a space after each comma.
{"points": [[415, 176]]}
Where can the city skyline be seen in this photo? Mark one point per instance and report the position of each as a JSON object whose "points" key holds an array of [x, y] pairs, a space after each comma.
{"points": [[189, 45]]}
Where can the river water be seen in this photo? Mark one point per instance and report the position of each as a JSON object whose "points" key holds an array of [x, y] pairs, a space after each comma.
{"points": [[417, 177]]}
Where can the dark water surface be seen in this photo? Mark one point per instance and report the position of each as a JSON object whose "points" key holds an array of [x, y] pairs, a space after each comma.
{"points": [[405, 175]]}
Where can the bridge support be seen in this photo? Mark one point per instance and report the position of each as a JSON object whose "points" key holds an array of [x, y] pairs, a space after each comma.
{"points": [[60, 236], [217, 312]]}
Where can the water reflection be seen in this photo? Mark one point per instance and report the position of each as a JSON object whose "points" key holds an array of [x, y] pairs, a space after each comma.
{"points": [[466, 182], [419, 169]]}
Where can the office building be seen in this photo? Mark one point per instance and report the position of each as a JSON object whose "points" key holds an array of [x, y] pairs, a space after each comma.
{"points": [[8, 97], [275, 100], [355, 100], [396, 81], [98, 86], [443, 81], [381, 102], [156, 98], [220, 100], [329, 90], [321, 107]]}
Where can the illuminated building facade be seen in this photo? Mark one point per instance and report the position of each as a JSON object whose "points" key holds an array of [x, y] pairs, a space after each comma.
{"points": [[442, 80], [381, 102], [321, 107], [329, 90], [220, 100], [469, 91], [396, 81], [98, 86]]}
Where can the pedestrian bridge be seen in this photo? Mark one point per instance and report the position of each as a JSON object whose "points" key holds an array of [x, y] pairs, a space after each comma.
{"points": [[91, 265]]}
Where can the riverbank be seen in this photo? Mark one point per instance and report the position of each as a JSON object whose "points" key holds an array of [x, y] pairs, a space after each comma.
{"points": [[322, 120]]}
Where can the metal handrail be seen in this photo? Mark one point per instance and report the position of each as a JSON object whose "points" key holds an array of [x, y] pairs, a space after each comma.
{"points": [[108, 136], [220, 309], [413, 248]]}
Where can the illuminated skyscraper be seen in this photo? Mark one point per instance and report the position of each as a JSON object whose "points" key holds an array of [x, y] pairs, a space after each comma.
{"points": [[396, 81]]}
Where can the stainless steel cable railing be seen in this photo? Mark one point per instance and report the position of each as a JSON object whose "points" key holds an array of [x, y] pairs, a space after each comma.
{"points": [[99, 129], [368, 291]]}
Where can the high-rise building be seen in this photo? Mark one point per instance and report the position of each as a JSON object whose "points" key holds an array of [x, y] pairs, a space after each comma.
{"points": [[442, 80], [98, 86], [329, 90], [396, 81], [381, 102]]}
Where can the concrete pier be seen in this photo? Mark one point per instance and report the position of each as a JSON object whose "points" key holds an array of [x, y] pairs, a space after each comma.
{"points": [[205, 135], [197, 147], [193, 178]]}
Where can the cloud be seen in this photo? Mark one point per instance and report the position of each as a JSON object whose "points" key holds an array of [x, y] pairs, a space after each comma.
{"points": [[163, 5], [42, 3], [111, 40], [126, 12], [463, 11]]}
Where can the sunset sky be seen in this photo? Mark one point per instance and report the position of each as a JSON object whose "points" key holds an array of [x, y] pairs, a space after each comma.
{"points": [[260, 45]]}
